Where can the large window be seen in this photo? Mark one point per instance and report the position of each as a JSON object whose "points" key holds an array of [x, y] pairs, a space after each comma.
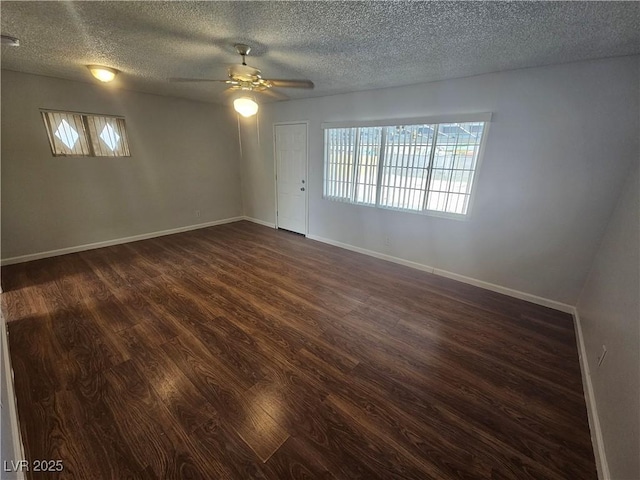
{"points": [[418, 167], [83, 135]]}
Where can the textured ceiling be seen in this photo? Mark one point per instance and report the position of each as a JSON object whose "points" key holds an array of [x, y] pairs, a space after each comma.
{"points": [[340, 46]]}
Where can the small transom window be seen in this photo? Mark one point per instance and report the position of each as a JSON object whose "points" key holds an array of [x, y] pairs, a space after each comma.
{"points": [[85, 135]]}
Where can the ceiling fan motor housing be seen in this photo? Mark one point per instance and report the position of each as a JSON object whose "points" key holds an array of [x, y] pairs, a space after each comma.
{"points": [[244, 73]]}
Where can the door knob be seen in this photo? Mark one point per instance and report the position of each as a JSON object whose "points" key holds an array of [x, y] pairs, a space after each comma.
{"points": [[302, 189], [302, 181]]}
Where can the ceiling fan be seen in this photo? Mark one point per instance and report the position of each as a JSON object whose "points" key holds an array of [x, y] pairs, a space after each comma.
{"points": [[246, 79]]}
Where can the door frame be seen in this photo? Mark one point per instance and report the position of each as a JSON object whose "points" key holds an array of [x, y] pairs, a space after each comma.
{"points": [[275, 170]]}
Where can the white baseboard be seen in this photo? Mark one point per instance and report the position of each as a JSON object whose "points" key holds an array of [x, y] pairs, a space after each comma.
{"points": [[563, 307], [372, 253], [13, 429], [545, 302], [590, 398], [115, 241], [259, 222]]}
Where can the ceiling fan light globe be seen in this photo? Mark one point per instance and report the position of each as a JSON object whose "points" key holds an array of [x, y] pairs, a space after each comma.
{"points": [[245, 106]]}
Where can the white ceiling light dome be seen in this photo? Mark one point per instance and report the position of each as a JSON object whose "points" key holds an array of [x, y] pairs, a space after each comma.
{"points": [[245, 106], [104, 74]]}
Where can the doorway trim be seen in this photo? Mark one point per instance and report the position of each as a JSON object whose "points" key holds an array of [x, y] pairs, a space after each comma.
{"points": [[275, 172]]}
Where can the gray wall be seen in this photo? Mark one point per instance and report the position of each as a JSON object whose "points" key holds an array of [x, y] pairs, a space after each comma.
{"points": [[609, 309], [184, 158], [560, 143]]}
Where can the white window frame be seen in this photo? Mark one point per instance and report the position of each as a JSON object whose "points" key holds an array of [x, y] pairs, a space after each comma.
{"points": [[88, 135], [395, 122]]}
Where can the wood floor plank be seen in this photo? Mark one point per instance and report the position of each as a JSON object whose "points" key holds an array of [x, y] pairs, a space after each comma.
{"points": [[186, 404], [409, 443], [58, 436], [240, 351], [149, 431], [218, 440], [454, 372], [485, 428], [33, 349], [256, 426], [102, 451], [297, 460]]}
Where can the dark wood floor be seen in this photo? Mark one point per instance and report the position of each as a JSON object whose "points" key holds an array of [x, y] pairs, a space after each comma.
{"points": [[239, 352]]}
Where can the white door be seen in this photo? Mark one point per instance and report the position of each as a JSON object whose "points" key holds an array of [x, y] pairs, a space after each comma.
{"points": [[291, 177]]}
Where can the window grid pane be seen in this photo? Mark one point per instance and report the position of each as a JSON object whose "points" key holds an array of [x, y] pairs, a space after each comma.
{"points": [[367, 165], [405, 172], [107, 136], [66, 134], [456, 155], [339, 153]]}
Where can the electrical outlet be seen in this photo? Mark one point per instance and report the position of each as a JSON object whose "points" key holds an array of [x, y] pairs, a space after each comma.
{"points": [[197, 212], [602, 355], [387, 242]]}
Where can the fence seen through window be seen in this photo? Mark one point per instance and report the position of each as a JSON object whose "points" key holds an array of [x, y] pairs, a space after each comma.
{"points": [[419, 168]]}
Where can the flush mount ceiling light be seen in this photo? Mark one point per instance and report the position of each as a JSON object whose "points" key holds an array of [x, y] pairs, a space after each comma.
{"points": [[104, 74], [9, 40], [245, 106]]}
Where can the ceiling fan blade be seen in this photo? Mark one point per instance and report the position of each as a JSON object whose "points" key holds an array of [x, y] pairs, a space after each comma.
{"points": [[196, 80], [283, 83], [231, 93], [273, 94]]}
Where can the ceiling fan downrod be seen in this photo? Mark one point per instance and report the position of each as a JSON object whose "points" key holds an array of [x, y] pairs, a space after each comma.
{"points": [[243, 50]]}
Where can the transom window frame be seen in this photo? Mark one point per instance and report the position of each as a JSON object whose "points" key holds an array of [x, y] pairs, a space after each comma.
{"points": [[484, 117], [89, 135]]}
